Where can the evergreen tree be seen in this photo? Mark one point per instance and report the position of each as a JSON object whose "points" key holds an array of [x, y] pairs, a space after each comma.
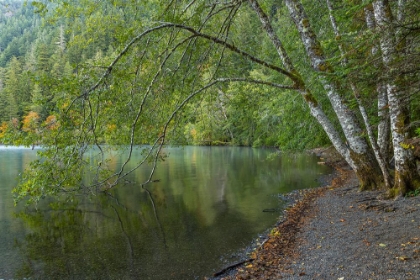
{"points": [[3, 102], [11, 89]]}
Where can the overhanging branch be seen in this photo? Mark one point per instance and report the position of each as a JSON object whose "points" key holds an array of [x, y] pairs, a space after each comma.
{"points": [[196, 33]]}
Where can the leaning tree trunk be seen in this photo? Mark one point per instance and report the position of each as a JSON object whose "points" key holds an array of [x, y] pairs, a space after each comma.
{"points": [[406, 176], [299, 84], [365, 165], [362, 109], [384, 132]]}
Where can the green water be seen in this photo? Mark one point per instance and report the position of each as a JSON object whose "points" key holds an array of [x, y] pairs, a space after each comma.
{"points": [[207, 205]]}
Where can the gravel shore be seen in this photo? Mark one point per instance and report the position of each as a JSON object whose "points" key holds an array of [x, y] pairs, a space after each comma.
{"points": [[355, 235], [338, 232]]}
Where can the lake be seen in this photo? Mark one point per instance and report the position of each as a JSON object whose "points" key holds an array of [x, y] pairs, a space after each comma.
{"points": [[205, 208]]}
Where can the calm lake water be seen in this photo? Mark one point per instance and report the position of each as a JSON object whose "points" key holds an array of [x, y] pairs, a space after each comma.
{"points": [[207, 206]]}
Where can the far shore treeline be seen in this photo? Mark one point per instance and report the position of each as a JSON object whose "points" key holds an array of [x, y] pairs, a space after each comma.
{"points": [[293, 74]]}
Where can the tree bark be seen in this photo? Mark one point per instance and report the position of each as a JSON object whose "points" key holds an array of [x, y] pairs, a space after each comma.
{"points": [[365, 165], [362, 109], [316, 111], [384, 132], [406, 177]]}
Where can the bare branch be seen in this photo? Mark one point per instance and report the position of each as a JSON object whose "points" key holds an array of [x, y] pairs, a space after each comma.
{"points": [[234, 49], [287, 63]]}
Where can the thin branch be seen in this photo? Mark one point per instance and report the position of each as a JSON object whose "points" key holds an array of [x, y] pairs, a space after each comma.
{"points": [[234, 49], [160, 141], [268, 28], [195, 33], [259, 82]]}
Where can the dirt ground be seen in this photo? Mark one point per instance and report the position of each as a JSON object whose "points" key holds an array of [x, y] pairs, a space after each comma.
{"points": [[338, 232]]}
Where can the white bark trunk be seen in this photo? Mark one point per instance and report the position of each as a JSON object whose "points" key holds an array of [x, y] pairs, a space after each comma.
{"points": [[381, 89], [287, 63], [363, 160], [347, 120], [384, 130], [315, 109], [379, 158], [398, 117], [344, 62], [332, 133]]}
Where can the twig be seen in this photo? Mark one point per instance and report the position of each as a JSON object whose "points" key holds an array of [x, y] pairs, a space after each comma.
{"points": [[231, 267]]}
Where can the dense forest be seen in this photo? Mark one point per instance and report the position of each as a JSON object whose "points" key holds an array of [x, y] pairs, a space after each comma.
{"points": [[292, 74]]}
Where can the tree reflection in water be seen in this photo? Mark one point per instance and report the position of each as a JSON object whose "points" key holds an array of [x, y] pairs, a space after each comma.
{"points": [[205, 207], [74, 240]]}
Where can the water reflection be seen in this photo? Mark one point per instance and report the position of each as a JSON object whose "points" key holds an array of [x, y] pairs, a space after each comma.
{"points": [[71, 240], [207, 204]]}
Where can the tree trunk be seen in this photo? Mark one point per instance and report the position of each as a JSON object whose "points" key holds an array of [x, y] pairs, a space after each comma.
{"points": [[384, 132], [365, 165], [315, 109], [406, 177], [362, 109]]}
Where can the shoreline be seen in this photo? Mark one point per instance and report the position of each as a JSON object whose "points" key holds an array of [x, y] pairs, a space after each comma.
{"points": [[337, 232]]}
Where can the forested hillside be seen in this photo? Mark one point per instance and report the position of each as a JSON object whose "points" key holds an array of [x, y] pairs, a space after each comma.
{"points": [[28, 53], [18, 30], [292, 74]]}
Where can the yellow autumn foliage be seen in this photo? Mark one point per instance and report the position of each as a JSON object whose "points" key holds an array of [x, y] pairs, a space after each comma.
{"points": [[30, 121]]}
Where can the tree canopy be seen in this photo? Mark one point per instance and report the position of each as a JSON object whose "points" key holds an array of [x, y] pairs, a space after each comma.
{"points": [[292, 74]]}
